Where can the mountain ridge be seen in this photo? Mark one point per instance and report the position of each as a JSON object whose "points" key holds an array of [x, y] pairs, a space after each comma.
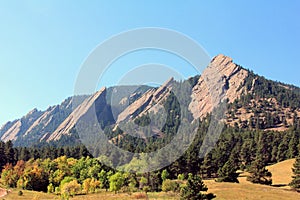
{"points": [[222, 80]]}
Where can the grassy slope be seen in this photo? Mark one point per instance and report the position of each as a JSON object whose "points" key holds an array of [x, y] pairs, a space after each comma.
{"points": [[246, 190], [282, 172], [281, 175]]}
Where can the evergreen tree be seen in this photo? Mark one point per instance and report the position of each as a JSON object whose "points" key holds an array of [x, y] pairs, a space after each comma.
{"points": [[208, 168], [228, 172], [9, 152], [2, 155], [24, 154], [193, 188], [259, 174], [296, 177], [293, 145]]}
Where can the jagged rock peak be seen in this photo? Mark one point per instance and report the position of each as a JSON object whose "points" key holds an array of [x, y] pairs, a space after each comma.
{"points": [[224, 65], [32, 112], [221, 58], [220, 80], [168, 82]]}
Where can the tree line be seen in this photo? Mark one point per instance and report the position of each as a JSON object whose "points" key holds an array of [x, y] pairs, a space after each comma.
{"points": [[69, 176], [11, 154]]}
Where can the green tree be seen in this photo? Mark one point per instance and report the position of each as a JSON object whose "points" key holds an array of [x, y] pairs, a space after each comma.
{"points": [[259, 174], [296, 177], [171, 185], [193, 188], [165, 174], [208, 168], [116, 182], [144, 184], [104, 179], [228, 172], [9, 152]]}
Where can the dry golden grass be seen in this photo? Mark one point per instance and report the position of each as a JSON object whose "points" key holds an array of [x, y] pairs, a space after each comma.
{"points": [[124, 196], [246, 190], [281, 175], [226, 191], [29, 195], [282, 172]]}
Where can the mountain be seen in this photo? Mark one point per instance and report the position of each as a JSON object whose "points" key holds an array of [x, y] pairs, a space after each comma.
{"points": [[33, 127], [253, 102]]}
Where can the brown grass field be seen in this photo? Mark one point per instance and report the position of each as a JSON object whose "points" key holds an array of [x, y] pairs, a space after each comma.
{"points": [[282, 172], [227, 191]]}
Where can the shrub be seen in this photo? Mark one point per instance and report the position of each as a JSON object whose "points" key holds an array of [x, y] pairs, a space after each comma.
{"points": [[180, 177], [90, 185], [71, 189], [20, 193], [171, 185], [50, 188]]}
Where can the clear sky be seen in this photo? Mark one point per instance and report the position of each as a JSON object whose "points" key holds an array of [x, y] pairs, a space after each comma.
{"points": [[44, 43]]}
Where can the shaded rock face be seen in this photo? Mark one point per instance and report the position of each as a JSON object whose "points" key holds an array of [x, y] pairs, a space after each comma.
{"points": [[146, 102], [221, 80], [69, 123]]}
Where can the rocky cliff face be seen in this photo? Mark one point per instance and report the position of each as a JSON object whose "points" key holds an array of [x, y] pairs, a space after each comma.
{"points": [[220, 80], [47, 122], [66, 126], [147, 102]]}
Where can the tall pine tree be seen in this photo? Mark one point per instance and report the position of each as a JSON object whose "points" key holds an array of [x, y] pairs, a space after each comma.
{"points": [[193, 189], [296, 177], [258, 172], [228, 172]]}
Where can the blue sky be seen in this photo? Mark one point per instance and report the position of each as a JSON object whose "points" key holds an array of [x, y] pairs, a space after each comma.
{"points": [[44, 43]]}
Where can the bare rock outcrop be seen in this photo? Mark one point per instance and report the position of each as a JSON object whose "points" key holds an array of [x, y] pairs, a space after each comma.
{"points": [[66, 126], [45, 119], [146, 102], [19, 127], [220, 80], [11, 134]]}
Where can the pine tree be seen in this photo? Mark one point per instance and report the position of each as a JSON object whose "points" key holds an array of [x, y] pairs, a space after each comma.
{"points": [[208, 168], [228, 172], [296, 177], [9, 152], [193, 188], [2, 155], [24, 154], [259, 174]]}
